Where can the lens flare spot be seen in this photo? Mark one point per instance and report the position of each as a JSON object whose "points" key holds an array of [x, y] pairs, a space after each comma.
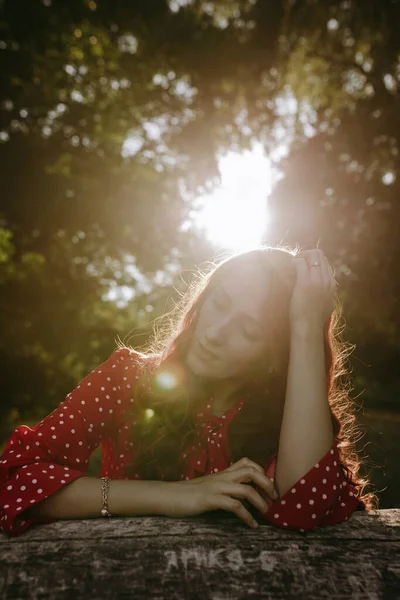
{"points": [[166, 381], [149, 413]]}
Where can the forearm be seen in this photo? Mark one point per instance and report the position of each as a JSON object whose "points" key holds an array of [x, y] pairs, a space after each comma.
{"points": [[82, 499], [306, 431]]}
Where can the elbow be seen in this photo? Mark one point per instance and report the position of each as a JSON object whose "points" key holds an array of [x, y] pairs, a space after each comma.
{"points": [[276, 515]]}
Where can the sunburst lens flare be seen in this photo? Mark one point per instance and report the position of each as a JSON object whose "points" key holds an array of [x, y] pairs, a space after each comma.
{"points": [[235, 215]]}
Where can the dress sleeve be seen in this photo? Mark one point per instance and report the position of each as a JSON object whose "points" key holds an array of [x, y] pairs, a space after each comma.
{"points": [[321, 497], [39, 461]]}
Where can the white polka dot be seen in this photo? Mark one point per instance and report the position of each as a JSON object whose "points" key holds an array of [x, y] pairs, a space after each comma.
{"points": [[298, 505]]}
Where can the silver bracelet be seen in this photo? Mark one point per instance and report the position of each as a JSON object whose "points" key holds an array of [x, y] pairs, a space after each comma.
{"points": [[105, 484]]}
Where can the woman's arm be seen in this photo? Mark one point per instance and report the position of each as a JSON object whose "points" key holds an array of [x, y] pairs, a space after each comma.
{"points": [[82, 499], [306, 431], [37, 462]]}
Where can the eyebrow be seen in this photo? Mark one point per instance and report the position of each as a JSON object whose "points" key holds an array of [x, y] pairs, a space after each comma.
{"points": [[248, 315]]}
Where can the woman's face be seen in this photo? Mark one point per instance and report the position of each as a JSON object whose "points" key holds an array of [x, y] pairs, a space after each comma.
{"points": [[230, 326]]}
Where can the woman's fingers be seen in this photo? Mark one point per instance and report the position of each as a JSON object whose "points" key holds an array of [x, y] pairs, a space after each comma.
{"points": [[245, 462], [250, 474], [256, 474], [246, 492], [236, 506]]}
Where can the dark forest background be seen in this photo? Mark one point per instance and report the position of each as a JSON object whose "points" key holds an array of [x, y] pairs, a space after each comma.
{"points": [[84, 211]]}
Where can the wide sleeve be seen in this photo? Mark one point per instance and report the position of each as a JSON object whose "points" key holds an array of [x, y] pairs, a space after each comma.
{"points": [[321, 497], [38, 461]]}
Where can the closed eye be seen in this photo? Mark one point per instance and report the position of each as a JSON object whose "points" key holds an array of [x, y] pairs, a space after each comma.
{"points": [[249, 336], [217, 303]]}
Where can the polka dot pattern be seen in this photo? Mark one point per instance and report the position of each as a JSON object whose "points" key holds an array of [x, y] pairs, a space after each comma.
{"points": [[38, 461], [320, 498]]}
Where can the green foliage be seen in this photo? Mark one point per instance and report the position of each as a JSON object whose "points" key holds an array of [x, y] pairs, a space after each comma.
{"points": [[81, 78]]}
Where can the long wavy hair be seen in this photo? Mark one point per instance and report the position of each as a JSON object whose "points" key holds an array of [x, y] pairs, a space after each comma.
{"points": [[167, 394]]}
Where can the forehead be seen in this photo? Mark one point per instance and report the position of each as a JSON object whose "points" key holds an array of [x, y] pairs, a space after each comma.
{"points": [[247, 287]]}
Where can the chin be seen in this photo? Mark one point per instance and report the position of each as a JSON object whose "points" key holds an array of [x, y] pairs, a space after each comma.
{"points": [[196, 365]]}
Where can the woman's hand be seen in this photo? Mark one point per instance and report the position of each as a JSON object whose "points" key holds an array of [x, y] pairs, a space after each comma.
{"points": [[221, 490], [313, 296]]}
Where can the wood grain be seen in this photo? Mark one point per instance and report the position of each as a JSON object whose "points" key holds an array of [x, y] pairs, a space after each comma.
{"points": [[212, 556]]}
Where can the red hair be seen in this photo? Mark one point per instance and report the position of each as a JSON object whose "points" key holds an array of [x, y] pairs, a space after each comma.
{"points": [[254, 432]]}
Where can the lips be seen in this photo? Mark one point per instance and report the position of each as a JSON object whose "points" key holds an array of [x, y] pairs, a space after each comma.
{"points": [[205, 352]]}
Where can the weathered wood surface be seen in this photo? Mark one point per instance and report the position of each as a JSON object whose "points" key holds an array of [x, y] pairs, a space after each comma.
{"points": [[213, 556]]}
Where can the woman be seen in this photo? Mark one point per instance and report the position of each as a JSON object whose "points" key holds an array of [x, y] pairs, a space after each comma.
{"points": [[236, 406]]}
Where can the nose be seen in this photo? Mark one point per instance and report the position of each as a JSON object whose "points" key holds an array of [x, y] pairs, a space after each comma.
{"points": [[215, 335]]}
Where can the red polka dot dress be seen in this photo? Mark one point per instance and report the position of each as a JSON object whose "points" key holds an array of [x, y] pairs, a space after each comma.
{"points": [[38, 461]]}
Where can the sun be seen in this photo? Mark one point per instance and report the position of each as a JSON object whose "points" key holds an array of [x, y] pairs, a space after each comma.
{"points": [[235, 215]]}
